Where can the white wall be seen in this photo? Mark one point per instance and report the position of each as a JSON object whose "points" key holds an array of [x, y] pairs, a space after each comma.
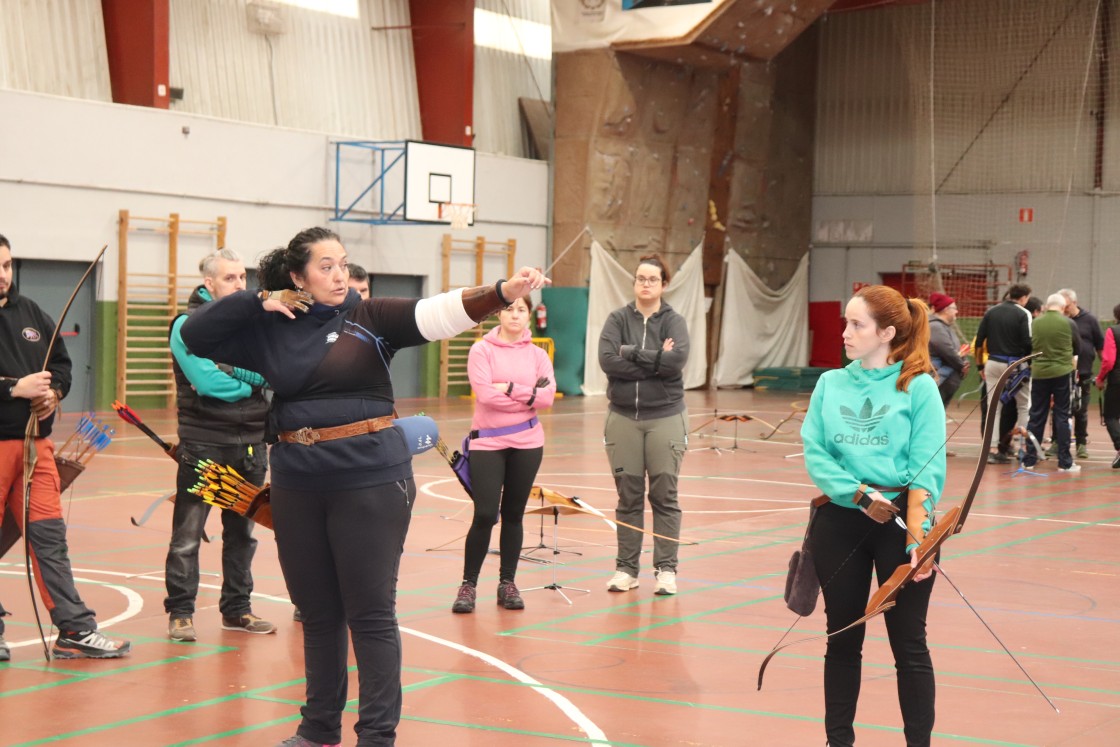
{"points": [[1072, 244], [68, 166]]}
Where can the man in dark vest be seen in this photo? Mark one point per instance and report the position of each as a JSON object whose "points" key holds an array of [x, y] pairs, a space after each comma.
{"points": [[26, 389], [222, 412]]}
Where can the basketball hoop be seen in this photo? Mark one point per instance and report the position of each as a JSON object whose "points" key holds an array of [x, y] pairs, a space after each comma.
{"points": [[460, 214]]}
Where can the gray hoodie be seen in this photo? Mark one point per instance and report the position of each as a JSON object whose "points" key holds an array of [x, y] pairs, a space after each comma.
{"points": [[643, 381]]}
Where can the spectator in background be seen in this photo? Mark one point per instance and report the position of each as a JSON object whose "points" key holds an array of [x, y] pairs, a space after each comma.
{"points": [[1109, 380], [1005, 331], [512, 378], [222, 412], [945, 349], [1056, 338], [643, 350], [359, 280], [1091, 342]]}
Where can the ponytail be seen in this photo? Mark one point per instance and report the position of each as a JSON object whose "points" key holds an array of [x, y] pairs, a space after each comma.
{"points": [[913, 350]]}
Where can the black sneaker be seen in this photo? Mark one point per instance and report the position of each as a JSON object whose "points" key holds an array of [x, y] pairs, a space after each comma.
{"points": [[297, 616], [999, 458], [88, 644], [1116, 461], [464, 601], [509, 597], [5, 652]]}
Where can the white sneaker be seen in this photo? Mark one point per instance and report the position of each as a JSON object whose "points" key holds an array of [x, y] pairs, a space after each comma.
{"points": [[622, 581], [666, 583], [1075, 467]]}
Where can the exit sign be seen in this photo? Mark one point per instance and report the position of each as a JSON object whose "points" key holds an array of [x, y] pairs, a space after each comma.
{"points": [[1026, 215]]}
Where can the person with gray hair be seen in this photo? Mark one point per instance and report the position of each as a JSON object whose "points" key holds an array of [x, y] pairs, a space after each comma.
{"points": [[222, 412], [1055, 338], [1091, 342]]}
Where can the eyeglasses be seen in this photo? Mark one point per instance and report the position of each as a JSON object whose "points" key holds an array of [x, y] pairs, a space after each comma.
{"points": [[639, 280]]}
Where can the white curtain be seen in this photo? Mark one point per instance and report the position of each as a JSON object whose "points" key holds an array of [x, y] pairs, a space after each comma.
{"points": [[761, 327], [612, 286]]}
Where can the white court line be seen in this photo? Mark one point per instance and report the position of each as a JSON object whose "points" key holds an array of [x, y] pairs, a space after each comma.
{"points": [[135, 604], [594, 734]]}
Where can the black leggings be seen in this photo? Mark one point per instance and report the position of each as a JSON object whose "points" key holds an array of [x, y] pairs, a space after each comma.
{"points": [[340, 552], [515, 469], [846, 545]]}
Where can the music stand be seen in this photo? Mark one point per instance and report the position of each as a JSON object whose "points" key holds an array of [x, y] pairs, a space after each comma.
{"points": [[556, 509], [527, 553], [735, 418]]}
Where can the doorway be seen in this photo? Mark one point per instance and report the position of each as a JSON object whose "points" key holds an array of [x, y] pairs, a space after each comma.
{"points": [[49, 284], [405, 369]]}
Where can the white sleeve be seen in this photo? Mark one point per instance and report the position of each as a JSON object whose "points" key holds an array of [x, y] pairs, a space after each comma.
{"points": [[443, 316]]}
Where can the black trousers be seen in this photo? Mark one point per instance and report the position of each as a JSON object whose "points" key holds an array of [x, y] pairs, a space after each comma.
{"points": [[189, 522], [501, 481], [846, 547], [1081, 414], [1041, 392], [340, 552]]}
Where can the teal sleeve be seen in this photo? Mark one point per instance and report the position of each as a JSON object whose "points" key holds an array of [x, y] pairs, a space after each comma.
{"points": [[203, 373], [252, 378], [926, 460], [825, 472]]}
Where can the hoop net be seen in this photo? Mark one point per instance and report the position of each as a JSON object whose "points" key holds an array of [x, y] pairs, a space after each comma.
{"points": [[460, 214]]}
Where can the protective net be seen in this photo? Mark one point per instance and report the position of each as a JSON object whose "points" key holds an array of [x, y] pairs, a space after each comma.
{"points": [[964, 138]]}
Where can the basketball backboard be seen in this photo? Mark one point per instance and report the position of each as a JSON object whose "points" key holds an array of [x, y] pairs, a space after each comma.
{"points": [[434, 175]]}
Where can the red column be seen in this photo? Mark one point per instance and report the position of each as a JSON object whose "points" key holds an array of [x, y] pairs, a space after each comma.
{"points": [[136, 34], [443, 45]]}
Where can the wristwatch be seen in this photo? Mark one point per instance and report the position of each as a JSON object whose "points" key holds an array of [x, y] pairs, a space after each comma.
{"points": [[6, 387]]}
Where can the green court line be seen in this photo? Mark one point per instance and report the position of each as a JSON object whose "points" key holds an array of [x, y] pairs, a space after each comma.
{"points": [[433, 682], [734, 709], [71, 676], [170, 712]]}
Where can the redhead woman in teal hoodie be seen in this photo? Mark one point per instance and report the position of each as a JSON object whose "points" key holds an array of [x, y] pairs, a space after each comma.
{"points": [[511, 378], [874, 444]]}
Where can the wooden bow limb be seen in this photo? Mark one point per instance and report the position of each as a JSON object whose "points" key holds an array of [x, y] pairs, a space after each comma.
{"points": [[796, 408], [31, 454], [580, 506]]}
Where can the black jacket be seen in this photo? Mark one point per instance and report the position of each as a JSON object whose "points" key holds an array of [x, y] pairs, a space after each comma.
{"points": [[1092, 340], [643, 381], [25, 332], [1006, 328], [327, 367], [211, 420]]}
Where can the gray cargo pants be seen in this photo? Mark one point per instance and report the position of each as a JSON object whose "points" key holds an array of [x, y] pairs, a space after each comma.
{"points": [[636, 448]]}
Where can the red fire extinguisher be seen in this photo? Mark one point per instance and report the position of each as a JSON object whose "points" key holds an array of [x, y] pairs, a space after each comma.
{"points": [[542, 318]]}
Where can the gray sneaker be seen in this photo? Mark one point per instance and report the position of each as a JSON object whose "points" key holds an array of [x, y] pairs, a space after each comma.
{"points": [[248, 623], [1082, 451], [181, 628], [5, 652], [298, 741]]}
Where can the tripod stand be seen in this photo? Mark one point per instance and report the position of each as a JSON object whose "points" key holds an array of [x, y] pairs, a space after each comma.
{"points": [[527, 553], [556, 510], [1022, 455]]}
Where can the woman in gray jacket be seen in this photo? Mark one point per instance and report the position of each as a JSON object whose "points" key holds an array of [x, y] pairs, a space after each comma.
{"points": [[643, 350]]}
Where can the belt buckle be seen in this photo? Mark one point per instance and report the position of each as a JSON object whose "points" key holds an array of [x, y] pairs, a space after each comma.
{"points": [[305, 436]]}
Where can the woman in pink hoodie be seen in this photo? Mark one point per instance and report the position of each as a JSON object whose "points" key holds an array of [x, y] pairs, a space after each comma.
{"points": [[512, 378]]}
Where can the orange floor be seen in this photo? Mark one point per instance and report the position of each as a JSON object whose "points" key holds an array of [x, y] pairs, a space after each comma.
{"points": [[1039, 559]]}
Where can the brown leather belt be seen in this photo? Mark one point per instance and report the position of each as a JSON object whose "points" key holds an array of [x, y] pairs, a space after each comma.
{"points": [[310, 436]]}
